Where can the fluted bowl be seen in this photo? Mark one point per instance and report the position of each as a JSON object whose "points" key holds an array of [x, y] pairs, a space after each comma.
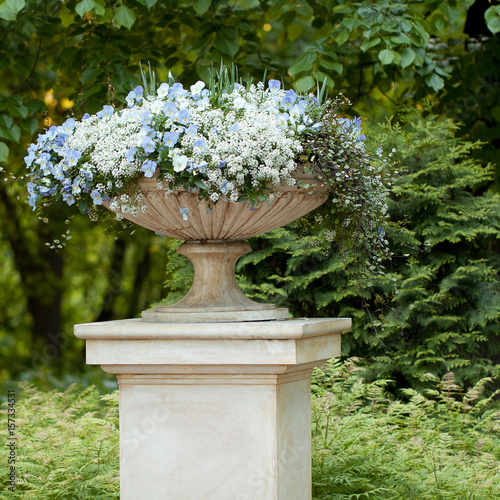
{"points": [[223, 220]]}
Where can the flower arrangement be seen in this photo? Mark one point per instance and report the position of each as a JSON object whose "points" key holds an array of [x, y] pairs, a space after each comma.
{"points": [[227, 141]]}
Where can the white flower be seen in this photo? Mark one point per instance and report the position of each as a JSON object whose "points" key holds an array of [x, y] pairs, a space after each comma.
{"points": [[197, 88], [163, 90], [180, 163]]}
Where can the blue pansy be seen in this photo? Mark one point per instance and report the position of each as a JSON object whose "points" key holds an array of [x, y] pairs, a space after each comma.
{"points": [[58, 173], [45, 190], [32, 200], [224, 187], [147, 131], [202, 167], [69, 125], [222, 164], [233, 128], [183, 116], [199, 145], [86, 116], [148, 145], [170, 139], [66, 183], [130, 154], [52, 132], [29, 159], [44, 162], [177, 90], [192, 130], [291, 93], [68, 198], [146, 117], [72, 157], [87, 175], [106, 112], [96, 197], [60, 139], [170, 109], [139, 93], [274, 85], [287, 102], [184, 212], [149, 168]]}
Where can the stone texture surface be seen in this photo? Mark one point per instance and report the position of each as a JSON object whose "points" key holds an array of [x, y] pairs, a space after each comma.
{"points": [[214, 295], [223, 220], [214, 411]]}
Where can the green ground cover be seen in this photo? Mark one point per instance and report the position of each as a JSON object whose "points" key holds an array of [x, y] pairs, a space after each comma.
{"points": [[435, 443]]}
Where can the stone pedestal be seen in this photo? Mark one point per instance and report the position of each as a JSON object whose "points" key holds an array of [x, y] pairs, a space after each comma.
{"points": [[214, 411]]}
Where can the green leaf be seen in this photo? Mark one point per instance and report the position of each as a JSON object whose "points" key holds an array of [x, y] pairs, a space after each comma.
{"points": [[100, 7], [200, 183], [304, 9], [342, 37], [89, 74], [124, 16], [368, 44], [4, 152], [148, 3], [308, 57], [202, 6], [84, 6], [293, 30], [351, 23], [407, 57], [305, 84], [492, 17], [7, 120], [386, 56], [334, 66], [400, 39], [299, 68], [245, 5], [30, 126], [435, 82], [226, 45], [20, 111], [15, 132], [10, 9]]}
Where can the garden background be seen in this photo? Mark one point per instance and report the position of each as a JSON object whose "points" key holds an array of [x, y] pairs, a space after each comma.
{"points": [[425, 78]]}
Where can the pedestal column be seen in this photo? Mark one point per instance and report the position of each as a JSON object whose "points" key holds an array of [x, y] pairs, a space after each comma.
{"points": [[215, 411]]}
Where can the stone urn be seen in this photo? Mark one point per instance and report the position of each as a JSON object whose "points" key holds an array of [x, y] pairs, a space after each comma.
{"points": [[214, 240]]}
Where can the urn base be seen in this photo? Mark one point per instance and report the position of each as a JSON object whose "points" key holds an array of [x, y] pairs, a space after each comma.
{"points": [[214, 296]]}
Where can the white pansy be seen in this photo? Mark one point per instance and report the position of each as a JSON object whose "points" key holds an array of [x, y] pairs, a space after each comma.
{"points": [[180, 163]]}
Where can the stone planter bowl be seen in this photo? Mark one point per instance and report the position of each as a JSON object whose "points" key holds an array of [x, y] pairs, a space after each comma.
{"points": [[213, 242]]}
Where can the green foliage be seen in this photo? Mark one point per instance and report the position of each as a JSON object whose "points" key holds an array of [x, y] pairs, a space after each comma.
{"points": [[446, 312], [435, 444], [59, 58], [67, 445], [440, 444]]}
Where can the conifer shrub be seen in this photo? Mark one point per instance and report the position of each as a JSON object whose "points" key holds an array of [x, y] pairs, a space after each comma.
{"points": [[445, 312]]}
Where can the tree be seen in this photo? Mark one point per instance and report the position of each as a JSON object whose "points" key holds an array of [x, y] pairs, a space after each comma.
{"points": [[63, 58]]}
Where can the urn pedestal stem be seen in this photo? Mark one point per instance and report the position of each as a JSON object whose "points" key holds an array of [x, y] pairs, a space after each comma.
{"points": [[214, 295]]}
